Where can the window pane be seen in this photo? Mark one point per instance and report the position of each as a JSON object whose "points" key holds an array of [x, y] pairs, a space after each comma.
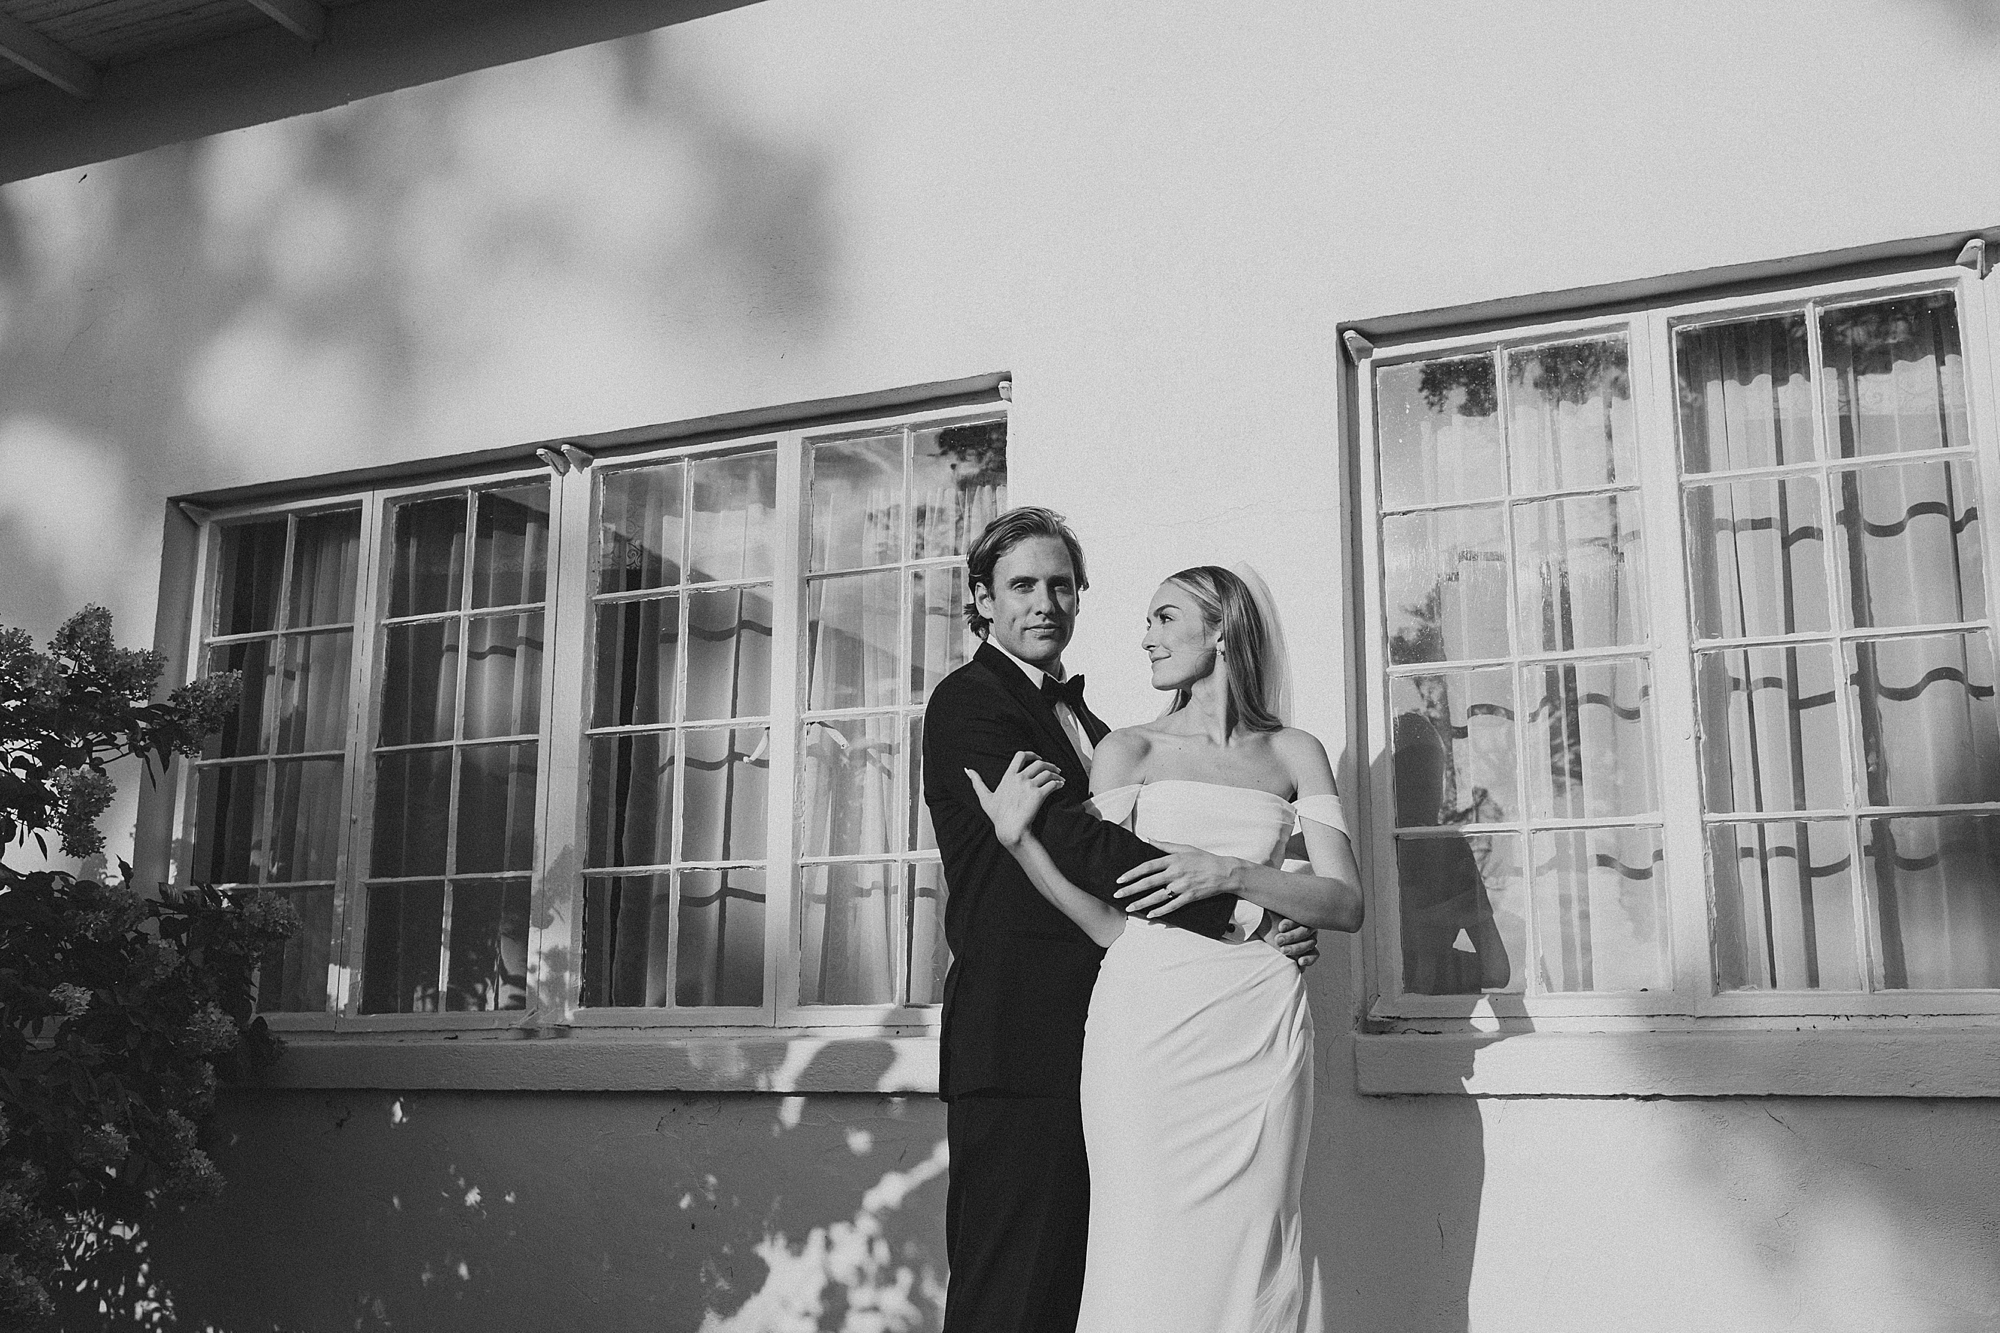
{"points": [[720, 958], [496, 807], [958, 484], [1439, 427], [730, 533], [857, 503], [510, 554], [1600, 910], [1770, 729], [1935, 886], [312, 701], [1569, 419], [247, 729], [1445, 585], [729, 652], [853, 625], [850, 786], [626, 923], [632, 799], [305, 838], [1463, 913], [1591, 738], [405, 933], [419, 683], [412, 805], [487, 967], [639, 529], [1582, 585], [939, 640], [726, 784], [1909, 544], [1927, 728], [428, 570], [637, 651], [1453, 739], [850, 934], [291, 978], [1894, 378], [503, 676], [229, 816], [325, 559], [252, 565], [1755, 558], [930, 959], [1784, 906], [1745, 393]]}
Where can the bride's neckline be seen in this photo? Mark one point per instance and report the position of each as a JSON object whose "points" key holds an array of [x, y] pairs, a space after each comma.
{"points": [[1194, 782]]}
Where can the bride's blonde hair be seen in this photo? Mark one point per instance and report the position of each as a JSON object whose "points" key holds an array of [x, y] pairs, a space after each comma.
{"points": [[1224, 600]]}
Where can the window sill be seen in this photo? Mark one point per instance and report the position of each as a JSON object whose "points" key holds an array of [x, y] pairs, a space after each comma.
{"points": [[1944, 1057], [613, 1061]]}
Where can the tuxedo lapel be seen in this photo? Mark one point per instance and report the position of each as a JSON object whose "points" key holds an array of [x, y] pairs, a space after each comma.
{"points": [[1058, 747]]}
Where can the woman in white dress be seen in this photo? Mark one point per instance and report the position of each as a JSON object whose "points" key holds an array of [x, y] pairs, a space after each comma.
{"points": [[1198, 1053]]}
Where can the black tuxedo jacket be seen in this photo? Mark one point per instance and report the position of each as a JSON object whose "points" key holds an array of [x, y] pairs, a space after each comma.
{"points": [[1021, 971]]}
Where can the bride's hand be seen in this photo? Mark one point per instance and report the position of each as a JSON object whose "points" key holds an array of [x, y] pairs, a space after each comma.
{"points": [[1013, 802], [1168, 883]]}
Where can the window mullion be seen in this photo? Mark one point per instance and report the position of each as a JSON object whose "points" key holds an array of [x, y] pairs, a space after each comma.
{"points": [[1686, 866], [782, 814], [556, 947], [350, 895]]}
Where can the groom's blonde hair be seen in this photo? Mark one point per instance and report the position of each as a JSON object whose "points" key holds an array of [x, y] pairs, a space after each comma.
{"points": [[1224, 600]]}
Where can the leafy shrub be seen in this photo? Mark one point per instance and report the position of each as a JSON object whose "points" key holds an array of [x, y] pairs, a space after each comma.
{"points": [[120, 1013]]}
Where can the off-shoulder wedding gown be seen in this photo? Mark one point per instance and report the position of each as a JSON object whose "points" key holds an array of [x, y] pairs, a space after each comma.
{"points": [[1197, 1096]]}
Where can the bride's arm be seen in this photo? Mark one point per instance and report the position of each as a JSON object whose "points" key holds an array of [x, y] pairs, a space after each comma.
{"points": [[1327, 899], [1011, 806]]}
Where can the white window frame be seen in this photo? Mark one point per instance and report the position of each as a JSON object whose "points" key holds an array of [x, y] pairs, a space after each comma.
{"points": [[1692, 1039], [561, 833]]}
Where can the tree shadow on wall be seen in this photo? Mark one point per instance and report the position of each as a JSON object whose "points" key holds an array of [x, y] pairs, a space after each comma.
{"points": [[557, 1211], [515, 253]]}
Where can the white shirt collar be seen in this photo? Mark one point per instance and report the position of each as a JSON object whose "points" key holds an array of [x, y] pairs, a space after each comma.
{"points": [[1034, 674]]}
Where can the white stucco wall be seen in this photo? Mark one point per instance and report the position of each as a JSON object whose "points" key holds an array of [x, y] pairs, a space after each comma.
{"points": [[1153, 215]]}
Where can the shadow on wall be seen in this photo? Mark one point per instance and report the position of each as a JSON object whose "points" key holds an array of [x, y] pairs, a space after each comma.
{"points": [[525, 251], [1394, 1190], [440, 1211]]}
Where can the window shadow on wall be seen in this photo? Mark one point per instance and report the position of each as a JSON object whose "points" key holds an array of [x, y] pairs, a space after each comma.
{"points": [[552, 1211]]}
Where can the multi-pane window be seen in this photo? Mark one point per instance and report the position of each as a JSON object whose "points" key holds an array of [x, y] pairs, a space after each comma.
{"points": [[637, 738], [1683, 662], [892, 516], [679, 748], [457, 751], [270, 788]]}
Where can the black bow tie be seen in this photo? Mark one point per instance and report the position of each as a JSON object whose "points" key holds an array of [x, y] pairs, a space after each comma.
{"points": [[1064, 692]]}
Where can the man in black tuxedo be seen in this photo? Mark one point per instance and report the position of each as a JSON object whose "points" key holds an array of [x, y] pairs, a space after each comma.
{"points": [[1018, 1205]]}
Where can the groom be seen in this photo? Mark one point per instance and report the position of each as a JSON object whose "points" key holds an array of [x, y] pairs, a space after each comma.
{"points": [[1018, 1205]]}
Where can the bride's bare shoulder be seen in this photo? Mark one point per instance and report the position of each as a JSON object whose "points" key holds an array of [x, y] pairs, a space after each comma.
{"points": [[1118, 758], [1304, 759]]}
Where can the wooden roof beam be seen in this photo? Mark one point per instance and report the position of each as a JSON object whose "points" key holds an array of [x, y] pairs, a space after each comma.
{"points": [[46, 59], [304, 19]]}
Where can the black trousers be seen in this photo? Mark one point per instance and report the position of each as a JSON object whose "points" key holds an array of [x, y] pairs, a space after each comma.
{"points": [[1016, 1214]]}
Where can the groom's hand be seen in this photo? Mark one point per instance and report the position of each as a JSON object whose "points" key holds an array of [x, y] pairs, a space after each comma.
{"points": [[1296, 942], [1168, 883]]}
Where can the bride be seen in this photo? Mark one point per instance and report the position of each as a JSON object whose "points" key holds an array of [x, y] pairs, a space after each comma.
{"points": [[1197, 1059]]}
